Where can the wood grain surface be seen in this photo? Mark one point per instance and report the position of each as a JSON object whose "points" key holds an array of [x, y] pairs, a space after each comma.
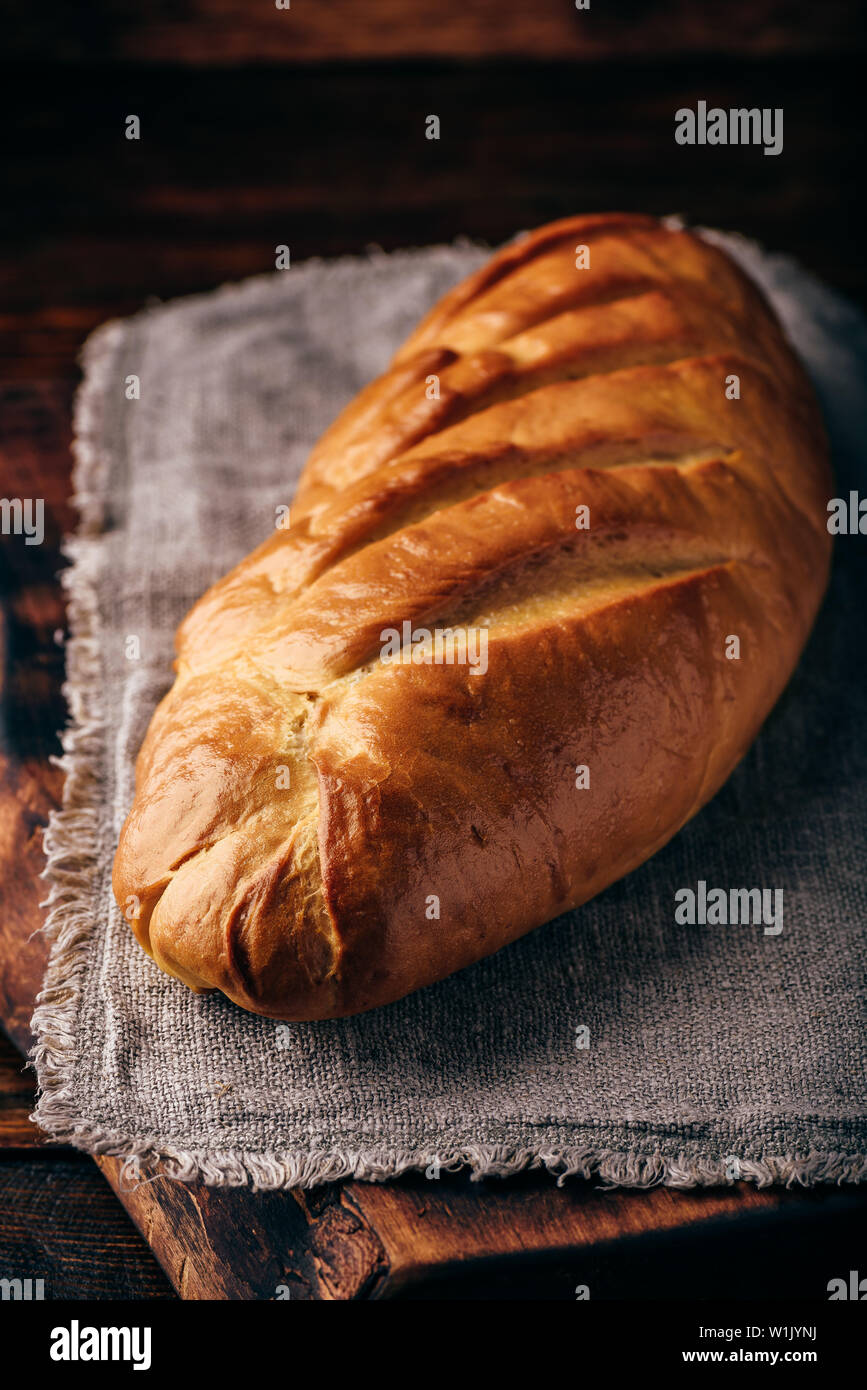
{"points": [[329, 161], [200, 32]]}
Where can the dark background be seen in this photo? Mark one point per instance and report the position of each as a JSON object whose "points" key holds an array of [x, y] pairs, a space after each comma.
{"points": [[307, 127]]}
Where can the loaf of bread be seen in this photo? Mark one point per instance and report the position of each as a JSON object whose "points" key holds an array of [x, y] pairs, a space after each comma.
{"points": [[544, 580]]}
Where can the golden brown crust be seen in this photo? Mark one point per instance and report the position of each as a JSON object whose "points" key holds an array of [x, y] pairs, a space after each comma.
{"points": [[300, 805]]}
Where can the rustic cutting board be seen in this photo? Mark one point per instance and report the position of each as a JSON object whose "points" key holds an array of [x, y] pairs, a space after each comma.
{"points": [[413, 1238]]}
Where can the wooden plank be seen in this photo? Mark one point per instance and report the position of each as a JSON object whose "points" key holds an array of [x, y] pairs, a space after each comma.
{"points": [[237, 1244], [62, 1224], [527, 1237], [17, 1098], [233, 32]]}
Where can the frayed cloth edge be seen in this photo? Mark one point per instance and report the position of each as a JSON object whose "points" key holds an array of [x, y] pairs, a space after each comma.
{"points": [[145, 1162], [70, 840]]}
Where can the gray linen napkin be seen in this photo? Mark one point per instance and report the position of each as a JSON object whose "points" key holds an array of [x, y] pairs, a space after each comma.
{"points": [[715, 1052]]}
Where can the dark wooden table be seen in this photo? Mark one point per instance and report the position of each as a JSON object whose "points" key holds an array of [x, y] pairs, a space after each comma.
{"points": [[307, 127]]}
